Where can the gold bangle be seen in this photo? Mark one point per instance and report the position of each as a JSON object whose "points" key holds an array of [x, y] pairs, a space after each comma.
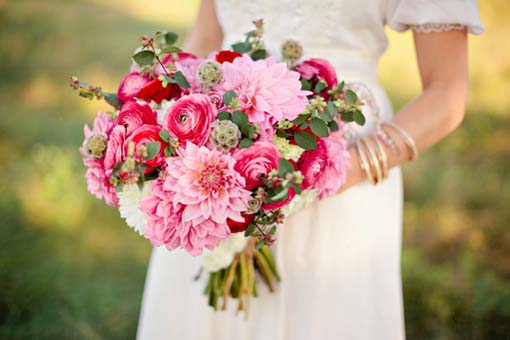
{"points": [[407, 139], [373, 160], [387, 140], [363, 162], [381, 156]]}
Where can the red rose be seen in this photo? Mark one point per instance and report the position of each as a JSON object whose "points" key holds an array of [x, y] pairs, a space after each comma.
{"points": [[130, 85], [227, 56], [154, 90], [135, 114], [141, 136], [238, 227]]}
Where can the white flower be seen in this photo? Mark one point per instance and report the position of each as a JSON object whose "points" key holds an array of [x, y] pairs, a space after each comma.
{"points": [[300, 202], [129, 201], [223, 255], [287, 150], [162, 108]]}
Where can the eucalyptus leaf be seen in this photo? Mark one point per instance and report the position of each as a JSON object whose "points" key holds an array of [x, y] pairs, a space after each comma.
{"points": [[181, 80], [170, 49], [319, 127], [340, 87], [223, 115], [240, 118], [111, 98], [297, 188], [248, 130], [359, 117], [347, 116], [245, 143], [300, 119], [171, 38], [164, 135], [333, 126], [152, 150], [320, 86], [169, 151], [249, 230], [325, 116], [305, 85], [351, 96], [272, 231], [241, 47], [305, 140], [332, 109], [258, 54], [144, 58], [228, 97], [284, 167]]}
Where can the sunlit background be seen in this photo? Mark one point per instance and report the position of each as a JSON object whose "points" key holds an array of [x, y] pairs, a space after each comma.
{"points": [[70, 268]]}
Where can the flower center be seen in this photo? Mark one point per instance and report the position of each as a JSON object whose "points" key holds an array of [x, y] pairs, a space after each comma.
{"points": [[183, 118], [211, 178]]}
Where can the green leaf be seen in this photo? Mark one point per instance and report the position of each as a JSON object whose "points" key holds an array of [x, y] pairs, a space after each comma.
{"points": [[305, 140], [223, 115], [325, 116], [341, 86], [164, 135], [305, 85], [170, 49], [282, 134], [272, 231], [152, 150], [258, 54], [240, 118], [332, 108], [347, 116], [280, 196], [319, 127], [151, 176], [111, 98], [169, 151], [245, 142], [320, 86], [248, 130], [359, 117], [170, 37], [297, 188], [260, 244], [333, 126], [119, 186], [300, 119], [351, 96], [284, 167], [249, 230], [181, 80], [228, 97], [241, 47], [144, 58]]}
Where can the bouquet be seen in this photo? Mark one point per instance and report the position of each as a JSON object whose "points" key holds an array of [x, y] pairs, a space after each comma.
{"points": [[211, 154]]}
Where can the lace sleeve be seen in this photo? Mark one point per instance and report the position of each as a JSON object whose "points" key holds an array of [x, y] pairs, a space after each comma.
{"points": [[426, 16], [429, 28]]}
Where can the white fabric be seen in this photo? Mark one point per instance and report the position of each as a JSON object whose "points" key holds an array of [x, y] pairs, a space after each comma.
{"points": [[340, 257]]}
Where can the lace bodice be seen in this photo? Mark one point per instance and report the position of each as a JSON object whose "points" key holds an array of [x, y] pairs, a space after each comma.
{"points": [[349, 33]]}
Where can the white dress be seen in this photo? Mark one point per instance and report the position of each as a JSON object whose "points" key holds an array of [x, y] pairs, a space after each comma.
{"points": [[340, 257]]}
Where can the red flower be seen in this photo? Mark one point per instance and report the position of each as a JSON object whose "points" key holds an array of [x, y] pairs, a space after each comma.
{"points": [[141, 136], [135, 114], [154, 90], [226, 56], [238, 227]]}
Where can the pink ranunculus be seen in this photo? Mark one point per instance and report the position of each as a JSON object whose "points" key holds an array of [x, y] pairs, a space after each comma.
{"points": [[130, 85], [267, 91], [320, 68], [114, 149], [140, 137], [206, 183], [164, 216], [135, 114], [325, 168], [256, 161], [189, 119]]}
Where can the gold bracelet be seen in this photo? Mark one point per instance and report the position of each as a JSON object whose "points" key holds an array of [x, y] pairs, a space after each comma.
{"points": [[407, 139], [373, 160], [386, 138], [381, 156], [363, 162]]}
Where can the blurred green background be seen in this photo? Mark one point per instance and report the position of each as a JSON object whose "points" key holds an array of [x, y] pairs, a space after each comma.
{"points": [[69, 267]]}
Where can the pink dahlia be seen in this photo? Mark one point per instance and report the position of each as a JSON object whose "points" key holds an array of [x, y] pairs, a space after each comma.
{"points": [[164, 216], [325, 168], [267, 91]]}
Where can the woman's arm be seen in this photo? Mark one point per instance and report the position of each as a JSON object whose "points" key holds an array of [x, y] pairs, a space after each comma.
{"points": [[442, 62], [206, 35]]}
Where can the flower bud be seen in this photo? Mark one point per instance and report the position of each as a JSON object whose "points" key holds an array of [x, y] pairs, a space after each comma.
{"points": [[291, 50], [95, 145]]}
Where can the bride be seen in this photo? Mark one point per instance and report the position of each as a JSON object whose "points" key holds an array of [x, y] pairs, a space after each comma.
{"points": [[340, 257]]}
